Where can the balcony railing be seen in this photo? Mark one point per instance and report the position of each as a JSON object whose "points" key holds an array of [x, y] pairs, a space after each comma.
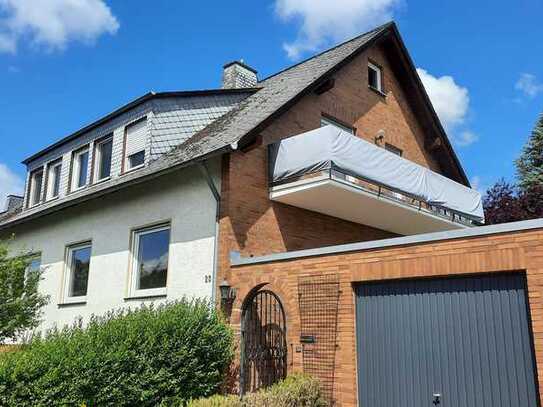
{"points": [[333, 172]]}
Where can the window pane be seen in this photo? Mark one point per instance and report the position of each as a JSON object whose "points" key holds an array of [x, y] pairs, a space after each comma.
{"points": [[79, 270], [136, 159], [153, 259], [83, 159], [105, 159], [33, 266], [372, 78], [36, 189], [56, 180]]}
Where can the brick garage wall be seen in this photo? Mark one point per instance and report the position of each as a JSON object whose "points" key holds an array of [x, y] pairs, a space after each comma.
{"points": [[253, 225], [518, 252]]}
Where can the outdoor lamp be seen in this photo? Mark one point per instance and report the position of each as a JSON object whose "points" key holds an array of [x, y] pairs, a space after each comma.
{"points": [[228, 294]]}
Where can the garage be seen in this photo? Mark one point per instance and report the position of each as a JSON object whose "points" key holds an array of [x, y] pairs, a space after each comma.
{"points": [[458, 341]]}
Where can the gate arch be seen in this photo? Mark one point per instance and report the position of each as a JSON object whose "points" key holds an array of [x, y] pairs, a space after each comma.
{"points": [[263, 341]]}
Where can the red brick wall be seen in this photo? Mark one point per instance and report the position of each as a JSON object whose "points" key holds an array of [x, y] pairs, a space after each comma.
{"points": [[253, 225], [518, 252]]}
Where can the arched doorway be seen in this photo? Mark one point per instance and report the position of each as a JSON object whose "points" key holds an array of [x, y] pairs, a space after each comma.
{"points": [[263, 341]]}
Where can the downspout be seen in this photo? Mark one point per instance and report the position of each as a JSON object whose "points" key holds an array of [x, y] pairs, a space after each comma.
{"points": [[217, 197]]}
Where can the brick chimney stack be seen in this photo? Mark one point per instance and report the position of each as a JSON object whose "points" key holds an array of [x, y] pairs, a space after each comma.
{"points": [[238, 75]]}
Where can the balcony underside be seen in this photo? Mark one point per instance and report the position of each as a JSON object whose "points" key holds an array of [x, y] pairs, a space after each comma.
{"points": [[344, 200]]}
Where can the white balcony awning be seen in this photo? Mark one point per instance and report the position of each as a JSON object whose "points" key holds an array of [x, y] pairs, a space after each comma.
{"points": [[330, 147]]}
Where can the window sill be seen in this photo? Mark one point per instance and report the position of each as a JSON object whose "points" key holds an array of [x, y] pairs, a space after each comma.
{"points": [[72, 303], [379, 92], [101, 180], [54, 198], [128, 171], [73, 191], [143, 296]]}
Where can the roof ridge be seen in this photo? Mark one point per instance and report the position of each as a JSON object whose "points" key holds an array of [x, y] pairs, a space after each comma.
{"points": [[373, 31]]}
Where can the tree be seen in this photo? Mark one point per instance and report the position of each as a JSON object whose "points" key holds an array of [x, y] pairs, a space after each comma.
{"points": [[501, 204], [20, 301], [530, 163], [505, 202]]}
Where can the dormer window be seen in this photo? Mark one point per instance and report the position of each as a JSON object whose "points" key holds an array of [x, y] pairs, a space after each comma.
{"points": [[375, 77], [80, 166], [135, 141], [36, 183], [53, 179], [103, 153]]}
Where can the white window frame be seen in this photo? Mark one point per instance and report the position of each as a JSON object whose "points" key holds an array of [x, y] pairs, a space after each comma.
{"points": [[135, 167], [379, 73], [98, 159], [134, 267], [76, 168], [66, 298], [32, 189], [50, 179]]}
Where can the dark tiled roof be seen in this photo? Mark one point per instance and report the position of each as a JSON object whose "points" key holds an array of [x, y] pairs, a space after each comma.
{"points": [[277, 91], [271, 97]]}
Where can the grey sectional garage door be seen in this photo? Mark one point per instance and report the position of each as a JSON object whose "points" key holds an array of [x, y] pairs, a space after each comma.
{"points": [[467, 339]]}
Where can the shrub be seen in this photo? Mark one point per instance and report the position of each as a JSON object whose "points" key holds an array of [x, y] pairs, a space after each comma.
{"points": [[295, 391], [142, 357]]}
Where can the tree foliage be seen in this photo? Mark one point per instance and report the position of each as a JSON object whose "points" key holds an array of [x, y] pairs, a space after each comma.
{"points": [[20, 301], [505, 202], [530, 163]]}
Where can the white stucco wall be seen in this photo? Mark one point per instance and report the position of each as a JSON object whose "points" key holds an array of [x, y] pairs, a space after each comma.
{"points": [[182, 198]]}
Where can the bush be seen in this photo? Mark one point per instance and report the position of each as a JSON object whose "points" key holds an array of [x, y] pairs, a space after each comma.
{"points": [[143, 357], [295, 391]]}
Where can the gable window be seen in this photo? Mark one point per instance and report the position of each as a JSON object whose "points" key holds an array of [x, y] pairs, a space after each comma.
{"points": [[104, 150], [80, 167], [150, 260], [135, 141], [393, 149], [375, 77], [53, 179], [36, 184], [328, 121], [77, 272]]}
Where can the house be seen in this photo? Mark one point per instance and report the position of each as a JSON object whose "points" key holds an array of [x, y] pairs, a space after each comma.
{"points": [[314, 206]]}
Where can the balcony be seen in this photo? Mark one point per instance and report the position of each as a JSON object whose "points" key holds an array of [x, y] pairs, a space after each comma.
{"points": [[334, 173]]}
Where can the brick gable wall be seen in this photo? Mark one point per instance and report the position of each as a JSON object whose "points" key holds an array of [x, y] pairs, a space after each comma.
{"points": [[253, 225]]}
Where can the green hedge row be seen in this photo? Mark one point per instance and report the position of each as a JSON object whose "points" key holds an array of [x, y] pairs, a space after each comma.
{"points": [[145, 357], [295, 391]]}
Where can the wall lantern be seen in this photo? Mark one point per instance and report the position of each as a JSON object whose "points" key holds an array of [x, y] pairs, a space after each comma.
{"points": [[228, 294]]}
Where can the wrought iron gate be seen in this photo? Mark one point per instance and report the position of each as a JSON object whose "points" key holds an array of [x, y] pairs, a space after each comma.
{"points": [[263, 342]]}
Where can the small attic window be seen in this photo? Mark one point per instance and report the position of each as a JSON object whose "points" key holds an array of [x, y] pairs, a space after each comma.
{"points": [[375, 77]]}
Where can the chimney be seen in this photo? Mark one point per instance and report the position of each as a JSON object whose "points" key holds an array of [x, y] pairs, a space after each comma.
{"points": [[13, 202], [238, 75]]}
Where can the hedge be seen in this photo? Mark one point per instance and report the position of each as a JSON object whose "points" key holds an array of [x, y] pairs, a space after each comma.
{"points": [[295, 391], [144, 357]]}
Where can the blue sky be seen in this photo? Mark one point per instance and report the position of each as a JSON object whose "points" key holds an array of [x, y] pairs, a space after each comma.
{"points": [[65, 63]]}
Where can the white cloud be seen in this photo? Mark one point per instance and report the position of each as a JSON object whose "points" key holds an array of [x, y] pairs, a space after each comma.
{"points": [[53, 23], [325, 21], [450, 100], [465, 138], [10, 183], [529, 85], [451, 103]]}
